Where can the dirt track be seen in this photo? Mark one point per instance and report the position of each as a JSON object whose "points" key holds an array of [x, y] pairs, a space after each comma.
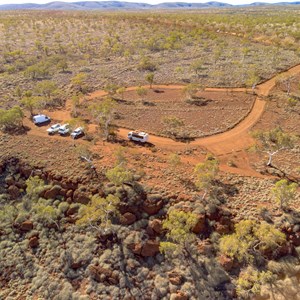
{"points": [[236, 140]]}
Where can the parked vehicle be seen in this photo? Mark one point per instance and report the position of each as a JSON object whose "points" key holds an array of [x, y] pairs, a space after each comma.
{"points": [[41, 119], [77, 133], [64, 129], [53, 129], [138, 136]]}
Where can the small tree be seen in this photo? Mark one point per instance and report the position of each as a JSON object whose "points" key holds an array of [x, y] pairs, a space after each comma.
{"points": [[31, 103], [179, 225], [286, 81], [150, 78], [79, 82], [251, 239], [284, 192], [121, 91], [173, 125], [142, 92], [191, 90], [205, 174], [46, 213], [273, 141], [104, 114], [47, 89], [251, 280], [111, 89], [99, 210], [197, 66], [119, 175], [11, 119]]}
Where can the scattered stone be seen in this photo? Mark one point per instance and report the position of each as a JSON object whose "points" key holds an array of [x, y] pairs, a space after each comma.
{"points": [[200, 226], [226, 262], [34, 242], [156, 226], [175, 278], [81, 197], [53, 192], [127, 218], [150, 248], [26, 226], [13, 191], [178, 296]]}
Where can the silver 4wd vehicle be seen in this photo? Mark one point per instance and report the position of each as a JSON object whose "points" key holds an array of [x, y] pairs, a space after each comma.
{"points": [[41, 119], [64, 129], [53, 129], [77, 133]]}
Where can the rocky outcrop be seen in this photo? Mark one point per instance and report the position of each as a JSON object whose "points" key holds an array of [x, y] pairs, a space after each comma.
{"points": [[33, 242]]}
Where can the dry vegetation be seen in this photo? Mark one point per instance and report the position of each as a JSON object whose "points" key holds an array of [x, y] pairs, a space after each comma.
{"points": [[97, 219]]}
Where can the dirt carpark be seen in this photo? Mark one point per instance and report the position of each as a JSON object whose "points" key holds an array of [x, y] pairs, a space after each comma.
{"points": [[219, 111]]}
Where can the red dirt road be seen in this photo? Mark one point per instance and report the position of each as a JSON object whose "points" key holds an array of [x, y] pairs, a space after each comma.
{"points": [[221, 145]]}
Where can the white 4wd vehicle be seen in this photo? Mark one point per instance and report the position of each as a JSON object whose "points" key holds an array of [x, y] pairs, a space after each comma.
{"points": [[78, 132], [64, 129], [138, 136], [53, 129]]}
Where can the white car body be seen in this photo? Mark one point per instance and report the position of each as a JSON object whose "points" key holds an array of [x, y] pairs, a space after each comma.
{"points": [[64, 129], [138, 136], [77, 133], [53, 129], [40, 119]]}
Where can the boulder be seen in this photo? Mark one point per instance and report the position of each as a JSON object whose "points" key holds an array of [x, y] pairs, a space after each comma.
{"points": [[150, 248], [9, 180], [152, 208], [81, 197], [26, 226], [13, 191], [222, 229], [200, 226], [127, 218], [34, 242], [175, 278], [69, 193], [136, 248], [156, 226], [72, 211], [205, 247], [53, 192], [226, 262], [179, 296]]}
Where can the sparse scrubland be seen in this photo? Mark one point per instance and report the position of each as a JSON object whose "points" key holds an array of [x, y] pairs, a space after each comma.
{"points": [[181, 217]]}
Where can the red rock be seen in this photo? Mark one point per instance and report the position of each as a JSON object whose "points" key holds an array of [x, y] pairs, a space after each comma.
{"points": [[72, 211], [152, 208], [222, 229], [150, 248], [53, 192], [34, 242], [179, 296], [156, 226], [205, 247], [69, 193], [26, 226], [13, 191], [226, 262], [200, 226], [9, 180], [136, 248], [100, 274], [81, 197], [175, 278], [127, 218]]}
